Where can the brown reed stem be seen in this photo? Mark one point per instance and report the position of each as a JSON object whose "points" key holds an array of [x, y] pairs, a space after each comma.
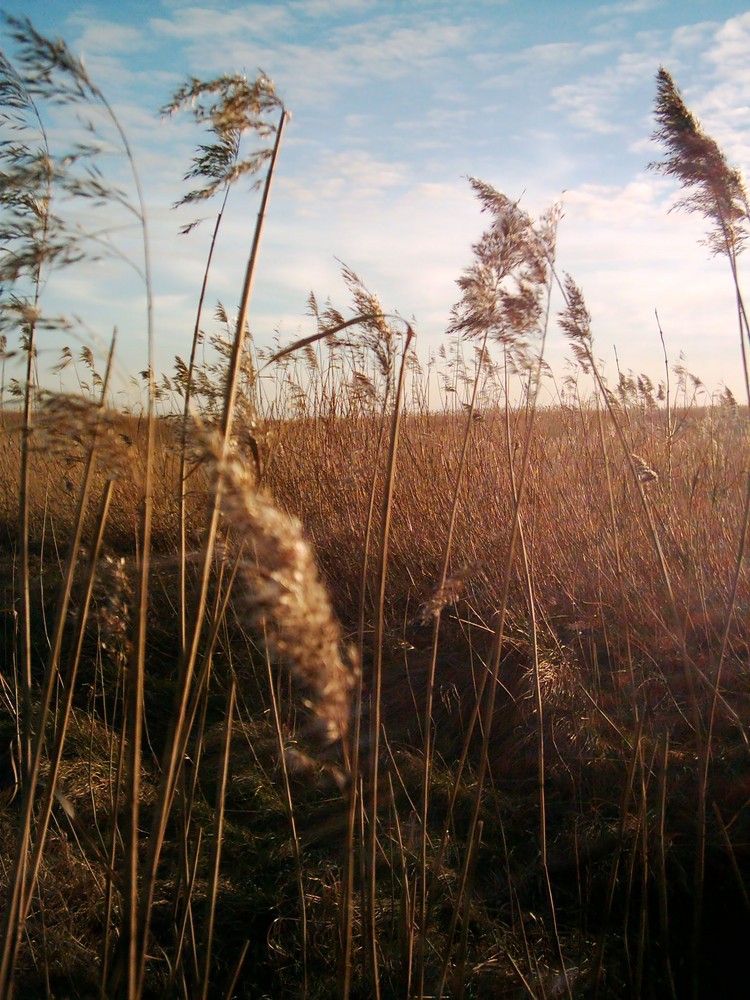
{"points": [[218, 834], [23, 879], [619, 846], [427, 723], [372, 949], [179, 733], [182, 514], [347, 879], [289, 807]]}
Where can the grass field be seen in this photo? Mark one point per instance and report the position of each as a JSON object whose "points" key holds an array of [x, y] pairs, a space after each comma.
{"points": [[373, 677]]}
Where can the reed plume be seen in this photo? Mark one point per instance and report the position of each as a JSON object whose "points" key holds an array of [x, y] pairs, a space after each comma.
{"points": [[284, 596], [712, 187], [575, 321], [503, 290]]}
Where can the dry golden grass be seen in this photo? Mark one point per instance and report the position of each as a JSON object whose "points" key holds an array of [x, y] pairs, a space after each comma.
{"points": [[609, 665], [597, 693]]}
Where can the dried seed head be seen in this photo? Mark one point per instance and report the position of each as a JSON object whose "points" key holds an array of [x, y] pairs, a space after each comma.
{"points": [[66, 426], [503, 290], [114, 594], [284, 596], [449, 593], [712, 187], [644, 472]]}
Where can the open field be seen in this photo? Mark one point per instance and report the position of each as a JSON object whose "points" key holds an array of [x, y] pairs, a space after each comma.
{"points": [[597, 686], [384, 681]]}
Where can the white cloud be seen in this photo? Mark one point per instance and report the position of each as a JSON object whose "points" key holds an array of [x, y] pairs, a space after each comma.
{"points": [[203, 24], [594, 103], [691, 36], [563, 54], [354, 176], [631, 255], [586, 104], [721, 99], [729, 52], [625, 7], [330, 8], [408, 249], [102, 36], [371, 49]]}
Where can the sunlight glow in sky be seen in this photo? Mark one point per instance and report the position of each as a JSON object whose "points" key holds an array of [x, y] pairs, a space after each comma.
{"points": [[394, 105]]}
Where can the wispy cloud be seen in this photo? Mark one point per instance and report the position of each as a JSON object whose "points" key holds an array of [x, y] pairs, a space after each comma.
{"points": [[692, 36], [385, 47], [625, 7], [595, 103], [719, 92], [731, 46], [352, 55], [393, 104], [632, 256], [561, 55], [101, 36], [356, 175], [601, 102], [208, 23], [331, 8]]}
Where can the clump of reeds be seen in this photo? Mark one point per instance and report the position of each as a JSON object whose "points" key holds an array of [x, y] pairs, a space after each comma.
{"points": [[284, 595]]}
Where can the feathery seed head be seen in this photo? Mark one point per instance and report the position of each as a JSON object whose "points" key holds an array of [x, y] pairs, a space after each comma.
{"points": [[284, 596], [575, 321], [502, 290], [644, 471], [713, 188], [450, 592], [229, 106], [114, 593]]}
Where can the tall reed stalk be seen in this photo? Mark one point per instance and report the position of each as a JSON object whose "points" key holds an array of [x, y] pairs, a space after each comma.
{"points": [[179, 734]]}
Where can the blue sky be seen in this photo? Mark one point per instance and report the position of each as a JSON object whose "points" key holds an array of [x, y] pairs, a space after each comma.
{"points": [[394, 105]]}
